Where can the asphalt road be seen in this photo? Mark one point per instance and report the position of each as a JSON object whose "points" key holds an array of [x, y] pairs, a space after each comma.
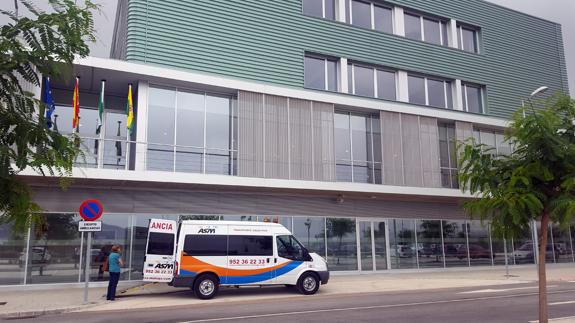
{"points": [[509, 303]]}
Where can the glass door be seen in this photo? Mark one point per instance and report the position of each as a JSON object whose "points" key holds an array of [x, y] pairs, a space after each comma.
{"points": [[366, 245], [372, 245]]}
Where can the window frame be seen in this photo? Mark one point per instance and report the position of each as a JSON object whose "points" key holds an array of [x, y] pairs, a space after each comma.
{"points": [[206, 151], [374, 69], [323, 10], [450, 168], [465, 99], [370, 135], [349, 14], [442, 25], [460, 27], [325, 59], [446, 89]]}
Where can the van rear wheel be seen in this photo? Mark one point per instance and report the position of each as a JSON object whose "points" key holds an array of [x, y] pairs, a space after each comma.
{"points": [[308, 283], [206, 286]]}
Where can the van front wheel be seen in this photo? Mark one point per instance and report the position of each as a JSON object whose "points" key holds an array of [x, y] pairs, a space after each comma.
{"points": [[308, 283], [206, 286]]}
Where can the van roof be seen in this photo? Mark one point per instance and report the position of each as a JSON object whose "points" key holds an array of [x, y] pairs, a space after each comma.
{"points": [[244, 223]]}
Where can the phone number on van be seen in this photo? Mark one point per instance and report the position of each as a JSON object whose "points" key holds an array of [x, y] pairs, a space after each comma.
{"points": [[247, 262]]}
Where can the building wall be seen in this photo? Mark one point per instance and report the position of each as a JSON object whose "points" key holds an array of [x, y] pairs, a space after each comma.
{"points": [[265, 40]]}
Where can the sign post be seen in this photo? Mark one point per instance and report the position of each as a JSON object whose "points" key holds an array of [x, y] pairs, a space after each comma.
{"points": [[90, 211]]}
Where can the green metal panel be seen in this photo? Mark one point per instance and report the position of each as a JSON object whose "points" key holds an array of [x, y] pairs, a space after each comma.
{"points": [[265, 40]]}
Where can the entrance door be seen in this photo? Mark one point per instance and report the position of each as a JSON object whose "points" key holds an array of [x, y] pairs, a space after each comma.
{"points": [[366, 256], [160, 251], [372, 247]]}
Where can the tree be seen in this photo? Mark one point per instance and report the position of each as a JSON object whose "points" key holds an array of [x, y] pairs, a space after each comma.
{"points": [[536, 181], [32, 46]]}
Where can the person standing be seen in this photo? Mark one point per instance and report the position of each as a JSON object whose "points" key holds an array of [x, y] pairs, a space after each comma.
{"points": [[114, 263]]}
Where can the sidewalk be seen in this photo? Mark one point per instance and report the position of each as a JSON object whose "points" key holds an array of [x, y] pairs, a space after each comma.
{"points": [[30, 302]]}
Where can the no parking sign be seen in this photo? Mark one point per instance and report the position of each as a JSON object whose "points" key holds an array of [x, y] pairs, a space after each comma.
{"points": [[91, 210]]}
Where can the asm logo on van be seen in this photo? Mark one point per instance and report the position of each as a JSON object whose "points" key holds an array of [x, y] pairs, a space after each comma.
{"points": [[164, 266], [207, 230]]}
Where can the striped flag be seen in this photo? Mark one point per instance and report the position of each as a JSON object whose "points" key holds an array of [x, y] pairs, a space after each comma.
{"points": [[101, 108], [130, 111], [76, 105], [49, 101]]}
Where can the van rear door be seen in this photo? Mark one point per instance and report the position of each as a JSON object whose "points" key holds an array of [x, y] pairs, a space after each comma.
{"points": [[160, 251]]}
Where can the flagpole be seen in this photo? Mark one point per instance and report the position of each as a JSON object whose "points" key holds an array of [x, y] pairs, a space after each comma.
{"points": [[101, 121], [129, 126]]}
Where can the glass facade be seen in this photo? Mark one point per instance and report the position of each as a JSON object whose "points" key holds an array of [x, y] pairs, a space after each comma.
{"points": [[358, 148], [191, 132], [55, 252], [448, 155]]}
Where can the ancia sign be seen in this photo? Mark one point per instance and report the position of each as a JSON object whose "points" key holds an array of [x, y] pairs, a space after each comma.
{"points": [[163, 226]]}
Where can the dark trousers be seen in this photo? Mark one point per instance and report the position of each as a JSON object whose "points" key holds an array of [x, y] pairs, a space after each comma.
{"points": [[114, 278]]}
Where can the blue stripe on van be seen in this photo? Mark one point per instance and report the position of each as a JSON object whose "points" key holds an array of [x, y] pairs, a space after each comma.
{"points": [[240, 280]]}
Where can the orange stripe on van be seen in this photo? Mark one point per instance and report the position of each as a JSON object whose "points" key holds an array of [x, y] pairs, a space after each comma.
{"points": [[195, 265]]}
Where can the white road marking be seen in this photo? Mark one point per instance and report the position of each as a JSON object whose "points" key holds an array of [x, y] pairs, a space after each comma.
{"points": [[501, 290], [559, 319], [561, 303], [367, 307]]}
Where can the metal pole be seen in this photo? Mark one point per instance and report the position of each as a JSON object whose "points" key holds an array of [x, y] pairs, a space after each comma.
{"points": [[506, 262], [80, 259], [87, 268]]}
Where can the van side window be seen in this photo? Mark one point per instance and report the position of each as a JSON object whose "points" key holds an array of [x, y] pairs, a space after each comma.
{"points": [[250, 246], [160, 244], [289, 248], [205, 245]]}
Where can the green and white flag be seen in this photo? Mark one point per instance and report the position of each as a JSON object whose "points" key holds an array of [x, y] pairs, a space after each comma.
{"points": [[101, 108]]}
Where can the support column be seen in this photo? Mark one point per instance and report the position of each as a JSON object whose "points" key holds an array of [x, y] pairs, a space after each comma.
{"points": [[398, 21], [340, 10], [452, 34], [343, 85], [457, 95], [142, 122], [402, 86]]}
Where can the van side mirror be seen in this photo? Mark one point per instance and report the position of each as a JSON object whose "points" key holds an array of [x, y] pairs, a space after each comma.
{"points": [[306, 255]]}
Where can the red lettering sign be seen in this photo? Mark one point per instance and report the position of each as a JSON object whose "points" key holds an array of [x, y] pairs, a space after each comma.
{"points": [[162, 226]]}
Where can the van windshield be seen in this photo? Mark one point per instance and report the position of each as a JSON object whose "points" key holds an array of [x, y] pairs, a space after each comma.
{"points": [[160, 244]]}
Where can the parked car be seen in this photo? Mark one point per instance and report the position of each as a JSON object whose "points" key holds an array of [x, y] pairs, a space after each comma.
{"points": [[475, 252], [38, 256]]}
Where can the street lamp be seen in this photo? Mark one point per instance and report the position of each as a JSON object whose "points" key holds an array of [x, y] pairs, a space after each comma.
{"points": [[537, 91]]}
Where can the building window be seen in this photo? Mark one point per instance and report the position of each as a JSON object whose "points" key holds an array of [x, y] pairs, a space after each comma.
{"points": [[369, 15], [358, 147], [468, 39], [493, 140], [371, 81], [430, 91], [190, 132], [448, 155], [320, 8], [431, 30], [320, 73], [472, 98]]}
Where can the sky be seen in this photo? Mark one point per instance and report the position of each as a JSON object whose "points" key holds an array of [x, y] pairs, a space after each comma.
{"points": [[560, 11]]}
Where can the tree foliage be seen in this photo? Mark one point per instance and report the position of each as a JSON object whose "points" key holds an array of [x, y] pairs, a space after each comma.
{"points": [[537, 177], [40, 43], [536, 181]]}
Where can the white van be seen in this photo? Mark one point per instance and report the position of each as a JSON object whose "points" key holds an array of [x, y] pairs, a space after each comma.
{"points": [[204, 255]]}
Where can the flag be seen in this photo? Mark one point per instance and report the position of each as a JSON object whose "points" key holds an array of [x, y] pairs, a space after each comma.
{"points": [[130, 111], [100, 108], [76, 106], [49, 101], [118, 145]]}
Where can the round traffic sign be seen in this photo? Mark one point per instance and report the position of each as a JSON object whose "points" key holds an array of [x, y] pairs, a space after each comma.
{"points": [[91, 210]]}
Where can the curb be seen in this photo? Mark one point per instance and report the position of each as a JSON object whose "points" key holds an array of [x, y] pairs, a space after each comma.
{"points": [[37, 313]]}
